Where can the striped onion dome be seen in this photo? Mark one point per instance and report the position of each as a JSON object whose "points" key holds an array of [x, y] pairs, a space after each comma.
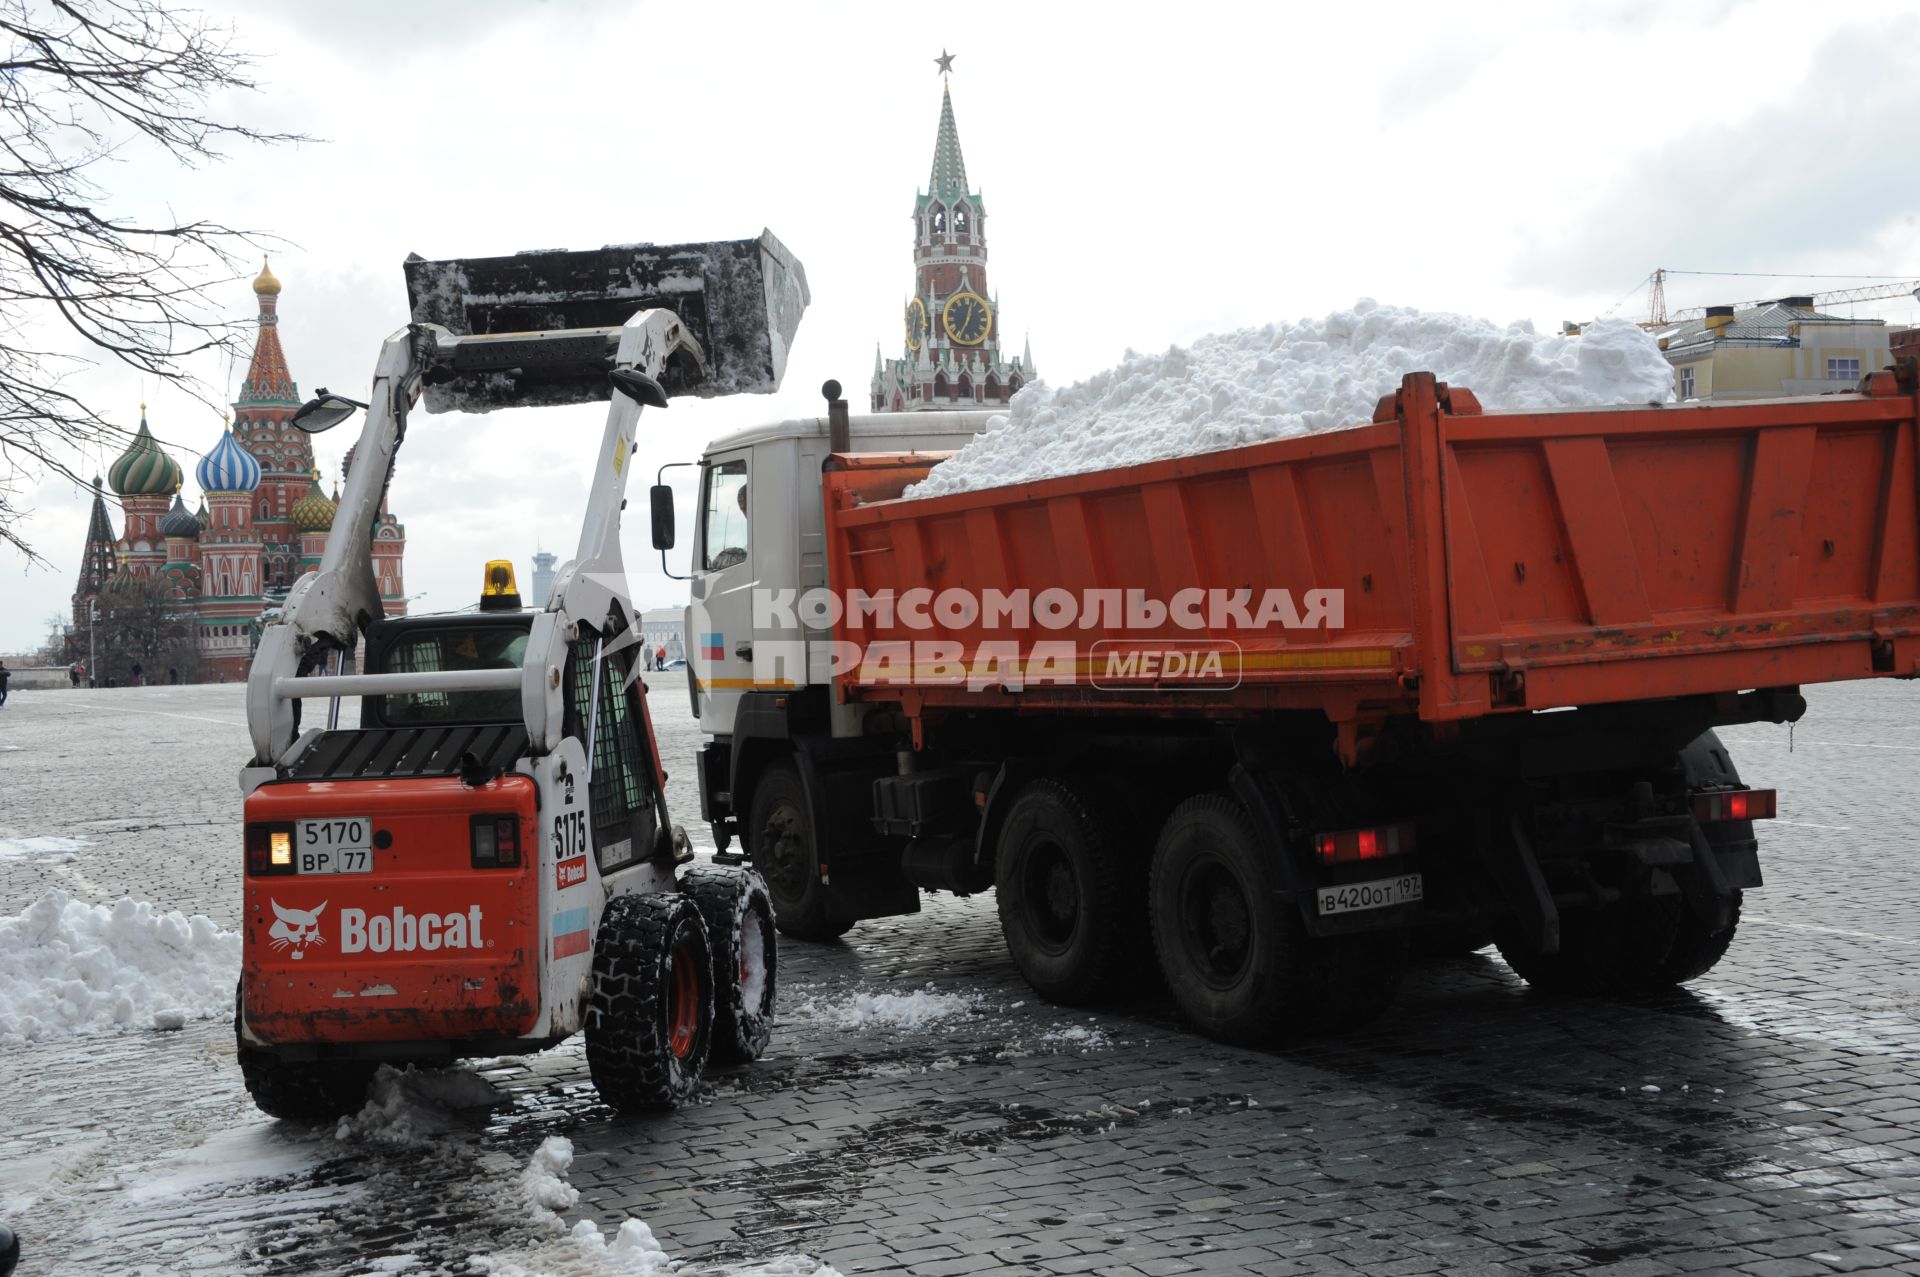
{"points": [[180, 521], [314, 511], [144, 469], [228, 468]]}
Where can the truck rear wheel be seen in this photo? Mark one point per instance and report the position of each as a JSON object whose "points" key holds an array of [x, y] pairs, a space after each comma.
{"points": [[739, 917], [650, 1016], [780, 841], [1697, 949], [1619, 948], [1240, 964], [1066, 893]]}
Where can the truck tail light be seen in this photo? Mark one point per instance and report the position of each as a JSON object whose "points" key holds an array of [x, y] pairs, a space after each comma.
{"points": [[496, 841], [1734, 804], [270, 848], [1363, 844]]}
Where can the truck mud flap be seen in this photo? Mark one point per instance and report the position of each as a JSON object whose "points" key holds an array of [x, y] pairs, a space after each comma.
{"points": [[1298, 887]]}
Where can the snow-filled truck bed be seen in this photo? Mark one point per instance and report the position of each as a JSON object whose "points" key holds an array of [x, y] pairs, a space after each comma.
{"points": [[1442, 562]]}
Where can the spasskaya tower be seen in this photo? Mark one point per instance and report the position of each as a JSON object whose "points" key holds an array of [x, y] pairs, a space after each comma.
{"points": [[953, 356]]}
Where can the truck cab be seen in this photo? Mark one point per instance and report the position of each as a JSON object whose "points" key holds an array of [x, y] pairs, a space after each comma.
{"points": [[759, 534]]}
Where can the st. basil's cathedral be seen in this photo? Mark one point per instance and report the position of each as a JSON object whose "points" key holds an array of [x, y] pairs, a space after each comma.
{"points": [[263, 518]]}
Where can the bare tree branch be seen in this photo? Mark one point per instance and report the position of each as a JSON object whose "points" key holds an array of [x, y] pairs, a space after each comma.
{"points": [[79, 81]]}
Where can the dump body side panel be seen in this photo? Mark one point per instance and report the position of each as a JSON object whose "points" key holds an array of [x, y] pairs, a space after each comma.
{"points": [[1482, 562]]}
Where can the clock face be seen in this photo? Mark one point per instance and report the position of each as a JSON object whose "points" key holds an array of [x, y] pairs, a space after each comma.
{"points": [[916, 323], [967, 319]]}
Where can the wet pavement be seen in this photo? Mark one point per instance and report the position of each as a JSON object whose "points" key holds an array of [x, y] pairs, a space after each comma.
{"points": [[1765, 1121]]}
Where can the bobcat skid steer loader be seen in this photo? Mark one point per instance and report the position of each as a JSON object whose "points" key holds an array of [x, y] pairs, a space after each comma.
{"points": [[484, 864]]}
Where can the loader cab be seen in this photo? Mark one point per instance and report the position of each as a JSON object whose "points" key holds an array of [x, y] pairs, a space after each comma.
{"points": [[760, 533], [448, 641], [626, 785]]}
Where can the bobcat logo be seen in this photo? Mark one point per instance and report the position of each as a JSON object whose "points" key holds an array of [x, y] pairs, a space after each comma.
{"points": [[296, 928]]}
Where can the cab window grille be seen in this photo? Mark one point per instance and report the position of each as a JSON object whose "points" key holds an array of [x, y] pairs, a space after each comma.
{"points": [[617, 787]]}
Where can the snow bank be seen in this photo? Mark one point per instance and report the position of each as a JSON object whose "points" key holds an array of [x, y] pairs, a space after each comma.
{"points": [[1292, 379], [412, 1106], [67, 968]]}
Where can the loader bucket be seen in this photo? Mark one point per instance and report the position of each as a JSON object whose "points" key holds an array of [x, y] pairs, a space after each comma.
{"points": [[740, 300]]}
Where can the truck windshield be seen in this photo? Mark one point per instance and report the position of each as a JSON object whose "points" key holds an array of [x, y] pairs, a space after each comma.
{"points": [[454, 648]]}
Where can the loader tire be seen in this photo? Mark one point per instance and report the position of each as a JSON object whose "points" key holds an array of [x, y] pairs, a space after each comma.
{"points": [[739, 917], [1240, 962], [780, 842], [302, 1090], [650, 1014], [1069, 897]]}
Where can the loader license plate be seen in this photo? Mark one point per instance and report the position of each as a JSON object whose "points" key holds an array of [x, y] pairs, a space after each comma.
{"points": [[343, 845], [1378, 894]]}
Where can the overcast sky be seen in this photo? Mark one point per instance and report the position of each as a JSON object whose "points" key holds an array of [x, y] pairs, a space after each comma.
{"points": [[1151, 174]]}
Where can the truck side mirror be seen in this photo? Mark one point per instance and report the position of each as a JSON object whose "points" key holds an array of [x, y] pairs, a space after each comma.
{"points": [[662, 498]]}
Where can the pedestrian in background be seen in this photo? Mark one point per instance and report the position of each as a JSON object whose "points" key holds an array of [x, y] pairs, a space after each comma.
{"points": [[73, 674], [5, 674]]}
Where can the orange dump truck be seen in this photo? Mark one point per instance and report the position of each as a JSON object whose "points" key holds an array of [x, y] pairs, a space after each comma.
{"points": [[1297, 708]]}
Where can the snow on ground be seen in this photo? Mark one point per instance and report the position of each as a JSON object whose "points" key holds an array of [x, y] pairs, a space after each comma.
{"points": [[584, 1250], [259, 1149], [53, 849], [1292, 379], [68, 967], [915, 1010], [412, 1106]]}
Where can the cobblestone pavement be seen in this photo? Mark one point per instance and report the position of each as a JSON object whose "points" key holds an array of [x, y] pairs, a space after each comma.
{"points": [[1766, 1121]]}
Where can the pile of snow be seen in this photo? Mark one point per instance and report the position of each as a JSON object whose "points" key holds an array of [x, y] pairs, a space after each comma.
{"points": [[54, 849], [585, 1251], [890, 1010], [413, 1106], [67, 967], [545, 1179], [1293, 379]]}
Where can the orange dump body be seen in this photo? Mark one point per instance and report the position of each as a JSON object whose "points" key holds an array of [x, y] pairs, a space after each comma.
{"points": [[1486, 562], [421, 946]]}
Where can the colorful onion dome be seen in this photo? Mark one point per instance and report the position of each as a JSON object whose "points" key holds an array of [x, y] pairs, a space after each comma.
{"points": [[228, 468], [266, 285], [144, 469], [179, 521], [203, 516], [313, 512]]}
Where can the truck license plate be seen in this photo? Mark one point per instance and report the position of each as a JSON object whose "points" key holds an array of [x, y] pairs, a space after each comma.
{"points": [[1377, 894], [343, 845]]}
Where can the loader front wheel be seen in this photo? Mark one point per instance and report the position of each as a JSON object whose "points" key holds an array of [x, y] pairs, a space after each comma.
{"points": [[650, 1017], [1241, 964], [780, 836], [739, 917]]}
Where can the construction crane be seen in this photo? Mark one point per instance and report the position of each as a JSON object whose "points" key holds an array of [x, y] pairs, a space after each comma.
{"points": [[1657, 316]]}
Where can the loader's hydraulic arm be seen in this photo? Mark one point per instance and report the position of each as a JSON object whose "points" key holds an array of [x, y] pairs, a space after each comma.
{"points": [[704, 319]]}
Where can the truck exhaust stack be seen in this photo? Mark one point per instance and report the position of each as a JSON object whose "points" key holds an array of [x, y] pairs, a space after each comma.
{"points": [[740, 301]]}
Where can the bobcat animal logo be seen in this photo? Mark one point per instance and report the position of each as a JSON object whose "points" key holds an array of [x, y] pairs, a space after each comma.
{"points": [[296, 928]]}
